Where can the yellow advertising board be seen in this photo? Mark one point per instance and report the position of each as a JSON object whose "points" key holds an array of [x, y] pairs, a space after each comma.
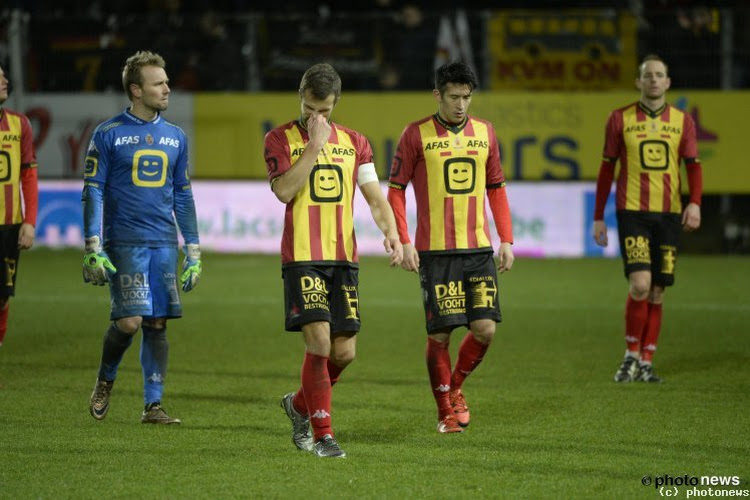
{"points": [[542, 136], [562, 50]]}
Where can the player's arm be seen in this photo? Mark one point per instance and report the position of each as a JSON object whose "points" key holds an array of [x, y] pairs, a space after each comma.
{"points": [[691, 216], [402, 169], [29, 187], [287, 185], [97, 268], [187, 221], [381, 212], [499, 206], [612, 147], [603, 187]]}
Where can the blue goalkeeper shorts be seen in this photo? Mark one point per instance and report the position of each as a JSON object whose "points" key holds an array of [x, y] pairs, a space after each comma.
{"points": [[145, 283]]}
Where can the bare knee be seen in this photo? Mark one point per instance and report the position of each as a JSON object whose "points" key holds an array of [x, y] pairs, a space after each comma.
{"points": [[656, 296], [640, 285], [483, 330], [343, 349], [129, 325]]}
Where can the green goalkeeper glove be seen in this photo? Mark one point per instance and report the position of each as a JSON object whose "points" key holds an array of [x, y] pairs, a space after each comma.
{"points": [[97, 268], [191, 267]]}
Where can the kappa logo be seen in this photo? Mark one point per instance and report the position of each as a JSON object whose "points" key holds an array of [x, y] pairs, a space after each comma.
{"points": [[320, 414], [443, 388], [155, 378]]}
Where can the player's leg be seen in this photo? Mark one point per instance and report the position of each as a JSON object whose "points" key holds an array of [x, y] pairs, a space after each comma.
{"points": [[345, 321], [651, 336], [9, 253], [306, 302], [483, 311], [635, 237], [130, 300], [165, 303], [444, 300], [316, 384], [664, 248]]}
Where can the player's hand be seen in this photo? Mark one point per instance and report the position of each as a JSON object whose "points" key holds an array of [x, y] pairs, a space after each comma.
{"points": [[505, 258], [97, 268], [191, 267], [395, 249], [411, 258], [691, 217], [600, 233], [25, 236], [319, 130]]}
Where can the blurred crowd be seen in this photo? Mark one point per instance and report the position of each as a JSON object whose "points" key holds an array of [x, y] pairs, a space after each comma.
{"points": [[223, 45]]}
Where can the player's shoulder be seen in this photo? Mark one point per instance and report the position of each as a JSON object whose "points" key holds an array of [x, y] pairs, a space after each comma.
{"points": [[111, 124], [475, 120], [171, 125], [677, 112], [354, 134], [279, 130], [13, 112]]}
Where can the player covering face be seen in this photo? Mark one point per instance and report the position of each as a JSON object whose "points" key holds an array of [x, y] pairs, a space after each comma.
{"points": [[314, 166]]}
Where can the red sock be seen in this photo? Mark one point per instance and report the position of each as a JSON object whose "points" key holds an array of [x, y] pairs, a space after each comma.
{"points": [[334, 372], [439, 368], [4, 321], [298, 402], [651, 335], [636, 316], [470, 354], [316, 386]]}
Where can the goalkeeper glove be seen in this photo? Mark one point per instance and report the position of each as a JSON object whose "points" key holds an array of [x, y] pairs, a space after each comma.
{"points": [[191, 267], [97, 268]]}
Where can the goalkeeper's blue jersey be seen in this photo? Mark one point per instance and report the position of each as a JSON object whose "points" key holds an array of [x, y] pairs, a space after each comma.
{"points": [[138, 166]]}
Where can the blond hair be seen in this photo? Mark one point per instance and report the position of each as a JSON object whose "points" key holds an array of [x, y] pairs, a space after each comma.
{"points": [[131, 72]]}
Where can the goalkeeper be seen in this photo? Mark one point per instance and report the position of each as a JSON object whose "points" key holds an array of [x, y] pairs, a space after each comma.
{"points": [[135, 185]]}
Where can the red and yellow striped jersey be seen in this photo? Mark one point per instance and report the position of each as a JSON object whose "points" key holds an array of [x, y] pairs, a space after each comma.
{"points": [[16, 153], [319, 223], [649, 145], [450, 168]]}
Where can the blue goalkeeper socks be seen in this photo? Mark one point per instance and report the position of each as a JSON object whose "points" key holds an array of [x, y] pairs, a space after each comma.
{"points": [[154, 353], [116, 342]]}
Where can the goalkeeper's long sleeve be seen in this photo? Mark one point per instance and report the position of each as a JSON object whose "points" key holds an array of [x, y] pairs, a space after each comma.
{"points": [[184, 211], [92, 199]]}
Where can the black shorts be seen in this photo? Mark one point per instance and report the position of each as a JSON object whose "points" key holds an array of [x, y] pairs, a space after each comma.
{"points": [[458, 289], [321, 293], [9, 252], [648, 242]]}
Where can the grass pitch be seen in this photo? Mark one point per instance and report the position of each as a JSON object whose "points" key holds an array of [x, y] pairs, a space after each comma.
{"points": [[547, 419]]}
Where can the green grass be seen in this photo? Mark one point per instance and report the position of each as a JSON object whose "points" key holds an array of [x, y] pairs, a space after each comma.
{"points": [[547, 420]]}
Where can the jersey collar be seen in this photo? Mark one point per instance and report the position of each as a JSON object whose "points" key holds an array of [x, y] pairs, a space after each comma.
{"points": [[652, 113], [137, 120], [450, 126]]}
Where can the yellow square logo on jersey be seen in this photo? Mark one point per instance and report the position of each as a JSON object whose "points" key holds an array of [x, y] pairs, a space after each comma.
{"points": [[460, 175], [326, 183], [150, 168], [90, 166], [4, 166], [654, 155]]}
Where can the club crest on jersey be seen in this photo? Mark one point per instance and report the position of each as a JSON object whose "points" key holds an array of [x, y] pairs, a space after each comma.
{"points": [[149, 139]]}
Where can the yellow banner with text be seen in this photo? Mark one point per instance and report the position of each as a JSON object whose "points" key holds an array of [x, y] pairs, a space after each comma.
{"points": [[542, 136]]}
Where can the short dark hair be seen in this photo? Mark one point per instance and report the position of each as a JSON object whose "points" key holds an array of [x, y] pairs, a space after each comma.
{"points": [[321, 80], [651, 57], [131, 72], [455, 72]]}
